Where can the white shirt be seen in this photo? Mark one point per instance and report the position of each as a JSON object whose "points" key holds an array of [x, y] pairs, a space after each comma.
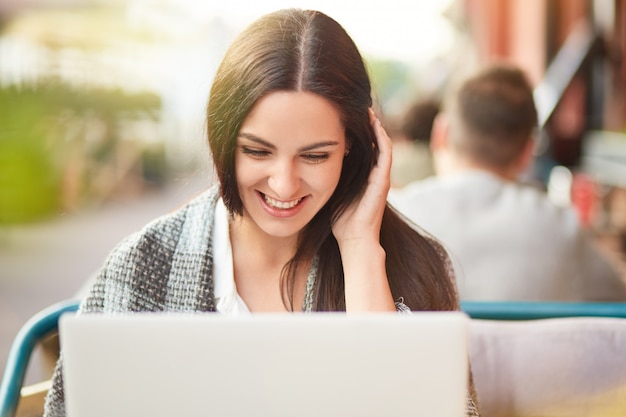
{"points": [[227, 300], [508, 241]]}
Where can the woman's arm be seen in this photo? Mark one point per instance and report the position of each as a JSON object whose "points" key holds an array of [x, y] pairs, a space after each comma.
{"points": [[358, 234]]}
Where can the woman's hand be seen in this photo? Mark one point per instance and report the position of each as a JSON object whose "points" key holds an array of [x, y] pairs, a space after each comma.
{"points": [[363, 218], [357, 232]]}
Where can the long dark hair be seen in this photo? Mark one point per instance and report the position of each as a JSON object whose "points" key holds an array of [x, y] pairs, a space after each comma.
{"points": [[304, 50]]}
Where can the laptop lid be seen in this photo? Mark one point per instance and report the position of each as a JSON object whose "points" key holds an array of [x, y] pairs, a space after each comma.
{"points": [[278, 365]]}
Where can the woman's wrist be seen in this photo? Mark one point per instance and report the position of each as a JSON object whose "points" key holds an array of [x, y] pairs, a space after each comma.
{"points": [[365, 277]]}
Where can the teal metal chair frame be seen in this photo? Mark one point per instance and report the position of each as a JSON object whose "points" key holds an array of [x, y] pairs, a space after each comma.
{"points": [[33, 331], [534, 310]]}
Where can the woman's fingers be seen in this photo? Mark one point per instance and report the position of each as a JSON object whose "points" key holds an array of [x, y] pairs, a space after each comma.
{"points": [[363, 217], [383, 165]]}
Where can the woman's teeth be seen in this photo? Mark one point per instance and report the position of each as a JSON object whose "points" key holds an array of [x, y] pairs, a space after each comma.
{"points": [[281, 204]]}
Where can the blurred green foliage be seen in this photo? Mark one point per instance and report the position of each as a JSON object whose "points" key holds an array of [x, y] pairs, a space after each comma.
{"points": [[42, 129]]}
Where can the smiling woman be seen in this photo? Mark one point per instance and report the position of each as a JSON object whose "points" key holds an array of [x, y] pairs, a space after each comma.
{"points": [[299, 220]]}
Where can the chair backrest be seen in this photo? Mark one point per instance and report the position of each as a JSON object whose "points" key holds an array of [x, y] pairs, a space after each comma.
{"points": [[548, 359], [32, 332], [533, 310]]}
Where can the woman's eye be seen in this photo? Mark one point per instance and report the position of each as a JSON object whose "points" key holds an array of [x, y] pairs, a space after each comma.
{"points": [[316, 157], [255, 153]]}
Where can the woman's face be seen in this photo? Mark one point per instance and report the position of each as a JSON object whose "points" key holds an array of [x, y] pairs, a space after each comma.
{"points": [[289, 156]]}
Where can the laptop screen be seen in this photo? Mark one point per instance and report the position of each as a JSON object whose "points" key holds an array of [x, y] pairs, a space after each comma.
{"points": [[279, 365]]}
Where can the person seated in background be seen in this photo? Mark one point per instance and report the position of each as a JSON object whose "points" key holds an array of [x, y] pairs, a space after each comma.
{"points": [[507, 240], [412, 159]]}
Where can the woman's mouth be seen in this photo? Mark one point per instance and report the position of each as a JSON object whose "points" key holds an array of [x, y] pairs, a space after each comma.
{"points": [[281, 205], [281, 208]]}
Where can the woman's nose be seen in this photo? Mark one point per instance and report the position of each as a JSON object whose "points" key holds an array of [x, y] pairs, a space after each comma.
{"points": [[285, 180]]}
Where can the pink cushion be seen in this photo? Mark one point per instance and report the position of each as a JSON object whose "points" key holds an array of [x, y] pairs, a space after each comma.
{"points": [[552, 367]]}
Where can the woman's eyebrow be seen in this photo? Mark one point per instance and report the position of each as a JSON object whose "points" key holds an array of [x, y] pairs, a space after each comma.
{"points": [[257, 139], [319, 145], [267, 144]]}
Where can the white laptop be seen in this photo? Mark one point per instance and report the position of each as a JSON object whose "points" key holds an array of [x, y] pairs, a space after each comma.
{"points": [[267, 365]]}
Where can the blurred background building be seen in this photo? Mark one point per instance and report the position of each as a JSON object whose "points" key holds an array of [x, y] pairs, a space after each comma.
{"points": [[102, 105]]}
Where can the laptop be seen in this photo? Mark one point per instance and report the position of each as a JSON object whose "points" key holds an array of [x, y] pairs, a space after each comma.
{"points": [[268, 365]]}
